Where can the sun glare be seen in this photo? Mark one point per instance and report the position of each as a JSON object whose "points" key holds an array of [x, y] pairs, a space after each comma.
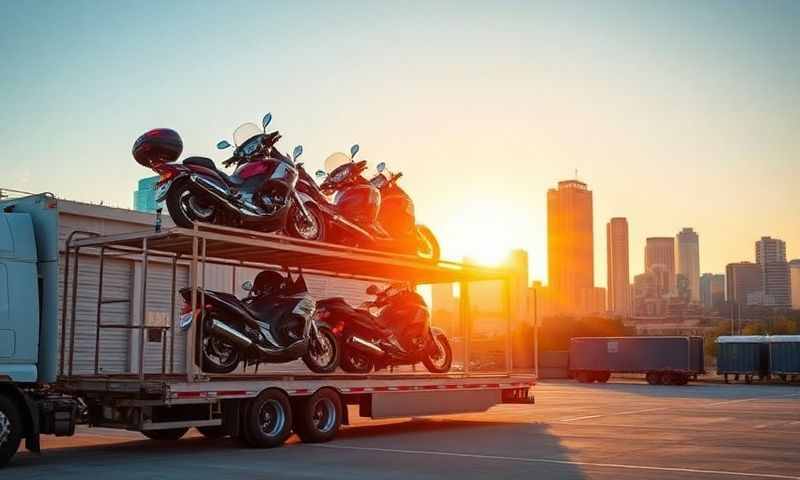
{"points": [[484, 232]]}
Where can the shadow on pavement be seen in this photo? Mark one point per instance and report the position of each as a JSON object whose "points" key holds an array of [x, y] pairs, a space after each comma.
{"points": [[716, 391], [434, 448]]}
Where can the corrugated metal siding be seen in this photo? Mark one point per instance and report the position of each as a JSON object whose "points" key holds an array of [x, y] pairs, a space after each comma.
{"points": [[159, 288], [113, 342], [784, 357]]}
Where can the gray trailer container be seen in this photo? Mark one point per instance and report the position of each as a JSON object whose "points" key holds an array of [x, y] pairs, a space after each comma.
{"points": [[746, 355], [784, 356], [664, 360]]}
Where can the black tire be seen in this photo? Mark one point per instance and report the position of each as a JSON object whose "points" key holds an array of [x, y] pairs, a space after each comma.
{"points": [[354, 361], [653, 378], [602, 377], [439, 365], [177, 196], [431, 249], [212, 432], [167, 435], [327, 360], [726, 378], [317, 418], [748, 379], [267, 419], [293, 229], [10, 429], [216, 346], [584, 377]]}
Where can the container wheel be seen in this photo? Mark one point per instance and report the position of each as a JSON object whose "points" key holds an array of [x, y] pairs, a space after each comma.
{"points": [[653, 378], [602, 377], [726, 378], [748, 379], [212, 432], [584, 377], [10, 429], [268, 419], [167, 434], [318, 418]]}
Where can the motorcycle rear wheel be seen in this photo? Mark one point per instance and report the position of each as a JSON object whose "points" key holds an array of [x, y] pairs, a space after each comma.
{"points": [[185, 207], [354, 361], [227, 355], [428, 246], [444, 355]]}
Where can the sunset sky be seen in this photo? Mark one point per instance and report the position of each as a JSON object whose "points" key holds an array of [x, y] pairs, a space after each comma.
{"points": [[677, 114]]}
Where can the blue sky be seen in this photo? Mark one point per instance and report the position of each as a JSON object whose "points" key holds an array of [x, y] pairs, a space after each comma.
{"points": [[676, 113]]}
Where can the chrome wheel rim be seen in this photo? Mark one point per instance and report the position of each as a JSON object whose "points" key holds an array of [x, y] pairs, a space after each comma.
{"points": [[191, 209], [5, 428], [219, 351], [324, 417], [440, 359], [307, 228], [271, 418], [358, 361], [322, 352]]}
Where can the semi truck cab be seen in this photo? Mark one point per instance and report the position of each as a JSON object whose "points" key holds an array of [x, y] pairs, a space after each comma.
{"points": [[28, 326]]}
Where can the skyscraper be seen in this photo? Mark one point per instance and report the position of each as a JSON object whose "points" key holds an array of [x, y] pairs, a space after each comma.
{"points": [[794, 281], [712, 290], [688, 261], [771, 256], [570, 247], [144, 199], [660, 251], [742, 279], [619, 302]]}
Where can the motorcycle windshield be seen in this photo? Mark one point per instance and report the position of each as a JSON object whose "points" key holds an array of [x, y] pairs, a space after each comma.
{"points": [[336, 160], [245, 132]]}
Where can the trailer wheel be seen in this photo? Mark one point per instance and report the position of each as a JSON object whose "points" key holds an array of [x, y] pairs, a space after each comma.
{"points": [[653, 378], [10, 429], [726, 378], [602, 377], [748, 379], [584, 377], [318, 418], [168, 434], [268, 419], [212, 432]]}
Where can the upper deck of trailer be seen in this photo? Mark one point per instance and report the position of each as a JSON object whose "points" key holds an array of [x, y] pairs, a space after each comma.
{"points": [[218, 244]]}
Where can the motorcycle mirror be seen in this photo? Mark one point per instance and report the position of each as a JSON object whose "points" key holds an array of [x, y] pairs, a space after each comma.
{"points": [[266, 121], [372, 290], [381, 167], [353, 150], [223, 144], [298, 150], [247, 286], [320, 173]]}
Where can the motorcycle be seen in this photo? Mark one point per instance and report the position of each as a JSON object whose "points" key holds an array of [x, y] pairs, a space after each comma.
{"points": [[400, 334], [276, 323], [258, 195], [375, 214]]}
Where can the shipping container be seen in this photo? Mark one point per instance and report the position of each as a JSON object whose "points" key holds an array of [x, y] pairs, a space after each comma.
{"points": [[664, 360], [784, 356], [746, 355]]}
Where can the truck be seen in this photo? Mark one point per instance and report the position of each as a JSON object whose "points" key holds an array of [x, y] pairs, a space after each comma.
{"points": [[71, 299], [665, 360]]}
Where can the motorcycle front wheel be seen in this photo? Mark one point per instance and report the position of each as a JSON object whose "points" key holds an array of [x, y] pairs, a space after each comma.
{"points": [[185, 207], [323, 352], [306, 228], [218, 356], [427, 245], [440, 360]]}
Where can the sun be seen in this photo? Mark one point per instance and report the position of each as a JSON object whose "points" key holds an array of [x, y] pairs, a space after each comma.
{"points": [[484, 231]]}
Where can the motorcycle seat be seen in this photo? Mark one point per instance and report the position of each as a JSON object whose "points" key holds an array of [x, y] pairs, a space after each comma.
{"points": [[208, 163]]}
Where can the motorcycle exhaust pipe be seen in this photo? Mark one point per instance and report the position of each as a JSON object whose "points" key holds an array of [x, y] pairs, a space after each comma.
{"points": [[365, 346], [223, 195], [231, 334]]}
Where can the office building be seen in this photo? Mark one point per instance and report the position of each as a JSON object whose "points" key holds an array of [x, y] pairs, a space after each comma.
{"points": [[712, 290], [570, 244], [688, 261], [771, 256], [742, 279], [144, 199], [794, 282], [618, 279], [660, 251]]}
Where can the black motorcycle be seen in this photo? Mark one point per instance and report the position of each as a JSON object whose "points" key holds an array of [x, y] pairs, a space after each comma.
{"points": [[257, 196], [275, 323], [374, 214], [401, 334]]}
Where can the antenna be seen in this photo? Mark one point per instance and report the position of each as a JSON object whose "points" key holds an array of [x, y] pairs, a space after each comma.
{"points": [[576, 174]]}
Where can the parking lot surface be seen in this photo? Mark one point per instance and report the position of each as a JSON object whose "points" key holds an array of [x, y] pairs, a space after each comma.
{"points": [[620, 430]]}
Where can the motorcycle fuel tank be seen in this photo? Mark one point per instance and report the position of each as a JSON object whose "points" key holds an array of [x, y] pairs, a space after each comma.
{"points": [[359, 203]]}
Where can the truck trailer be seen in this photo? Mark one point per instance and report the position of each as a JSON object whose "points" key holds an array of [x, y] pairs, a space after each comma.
{"points": [[663, 360], [65, 311]]}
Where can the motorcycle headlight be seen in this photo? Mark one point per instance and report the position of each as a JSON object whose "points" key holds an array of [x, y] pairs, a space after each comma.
{"points": [[340, 176]]}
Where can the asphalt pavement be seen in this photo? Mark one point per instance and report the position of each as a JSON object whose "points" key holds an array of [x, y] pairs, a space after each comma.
{"points": [[621, 430]]}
